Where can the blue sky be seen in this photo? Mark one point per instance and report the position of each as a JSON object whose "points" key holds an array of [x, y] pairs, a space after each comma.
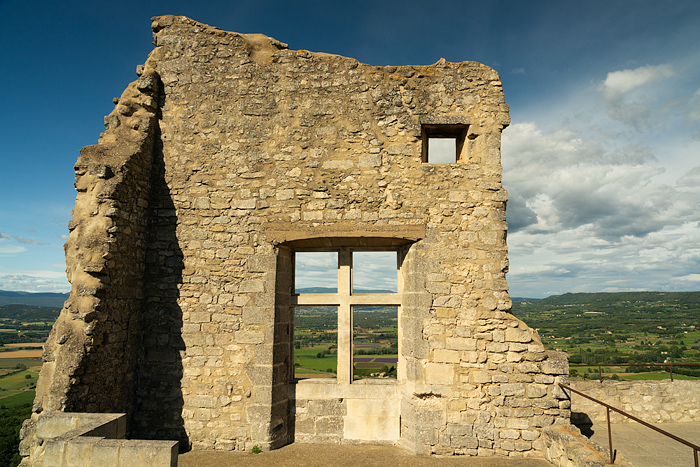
{"points": [[602, 159], [371, 270]]}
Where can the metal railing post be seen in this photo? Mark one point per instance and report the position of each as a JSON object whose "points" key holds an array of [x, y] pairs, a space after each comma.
{"points": [[607, 413]]}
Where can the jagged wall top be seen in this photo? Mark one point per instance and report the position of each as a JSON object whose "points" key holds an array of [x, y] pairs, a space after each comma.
{"points": [[263, 49]]}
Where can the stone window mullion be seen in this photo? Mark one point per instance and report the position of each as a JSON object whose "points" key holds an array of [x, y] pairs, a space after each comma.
{"points": [[345, 370]]}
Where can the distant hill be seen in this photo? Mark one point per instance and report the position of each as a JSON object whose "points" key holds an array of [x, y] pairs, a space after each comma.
{"points": [[334, 290], [603, 299], [34, 299], [29, 313], [619, 327], [661, 314], [317, 290], [523, 299]]}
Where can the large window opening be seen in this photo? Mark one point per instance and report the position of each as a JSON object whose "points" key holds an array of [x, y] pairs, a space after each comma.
{"points": [[346, 314]]}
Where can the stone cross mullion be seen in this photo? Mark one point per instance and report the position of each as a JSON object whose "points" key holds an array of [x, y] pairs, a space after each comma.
{"points": [[345, 373]]}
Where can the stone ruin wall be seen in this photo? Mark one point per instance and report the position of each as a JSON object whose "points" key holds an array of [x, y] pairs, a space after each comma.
{"points": [[228, 152], [91, 355], [94, 343]]}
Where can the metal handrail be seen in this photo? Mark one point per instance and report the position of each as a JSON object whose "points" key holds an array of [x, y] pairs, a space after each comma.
{"points": [[600, 372], [695, 447]]}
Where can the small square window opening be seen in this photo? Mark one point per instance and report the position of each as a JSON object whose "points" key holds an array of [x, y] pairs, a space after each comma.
{"points": [[445, 144], [442, 150]]}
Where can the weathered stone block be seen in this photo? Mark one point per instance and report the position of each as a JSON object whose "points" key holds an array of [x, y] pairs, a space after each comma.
{"points": [[536, 390], [79, 450], [556, 363], [54, 452], [439, 373], [333, 407], [329, 425], [518, 335], [151, 453], [460, 343], [459, 430], [304, 425], [466, 442], [480, 377], [106, 452], [509, 434], [445, 356]]}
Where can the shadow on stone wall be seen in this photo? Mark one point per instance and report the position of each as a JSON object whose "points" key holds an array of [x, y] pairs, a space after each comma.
{"points": [[159, 399], [583, 422]]}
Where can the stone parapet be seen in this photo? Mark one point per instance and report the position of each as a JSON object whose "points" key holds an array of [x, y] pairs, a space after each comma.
{"points": [[66, 439], [653, 401]]}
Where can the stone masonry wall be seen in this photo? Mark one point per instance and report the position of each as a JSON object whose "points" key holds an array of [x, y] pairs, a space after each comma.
{"points": [[653, 401], [260, 150]]}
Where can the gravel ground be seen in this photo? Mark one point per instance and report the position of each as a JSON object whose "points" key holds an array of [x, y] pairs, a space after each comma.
{"points": [[318, 455]]}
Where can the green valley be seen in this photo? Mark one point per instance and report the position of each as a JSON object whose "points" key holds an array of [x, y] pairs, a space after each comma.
{"points": [[619, 328]]}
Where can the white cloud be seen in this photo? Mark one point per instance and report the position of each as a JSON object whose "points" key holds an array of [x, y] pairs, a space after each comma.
{"points": [[34, 281], [590, 212], [629, 97], [6, 249], [375, 270], [568, 261], [691, 179], [371, 270], [29, 241], [316, 269], [24, 240], [692, 280], [694, 112], [624, 81], [563, 181]]}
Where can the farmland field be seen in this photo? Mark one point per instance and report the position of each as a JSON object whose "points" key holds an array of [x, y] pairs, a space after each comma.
{"points": [[17, 382], [374, 340], [21, 354], [18, 376], [617, 328]]}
